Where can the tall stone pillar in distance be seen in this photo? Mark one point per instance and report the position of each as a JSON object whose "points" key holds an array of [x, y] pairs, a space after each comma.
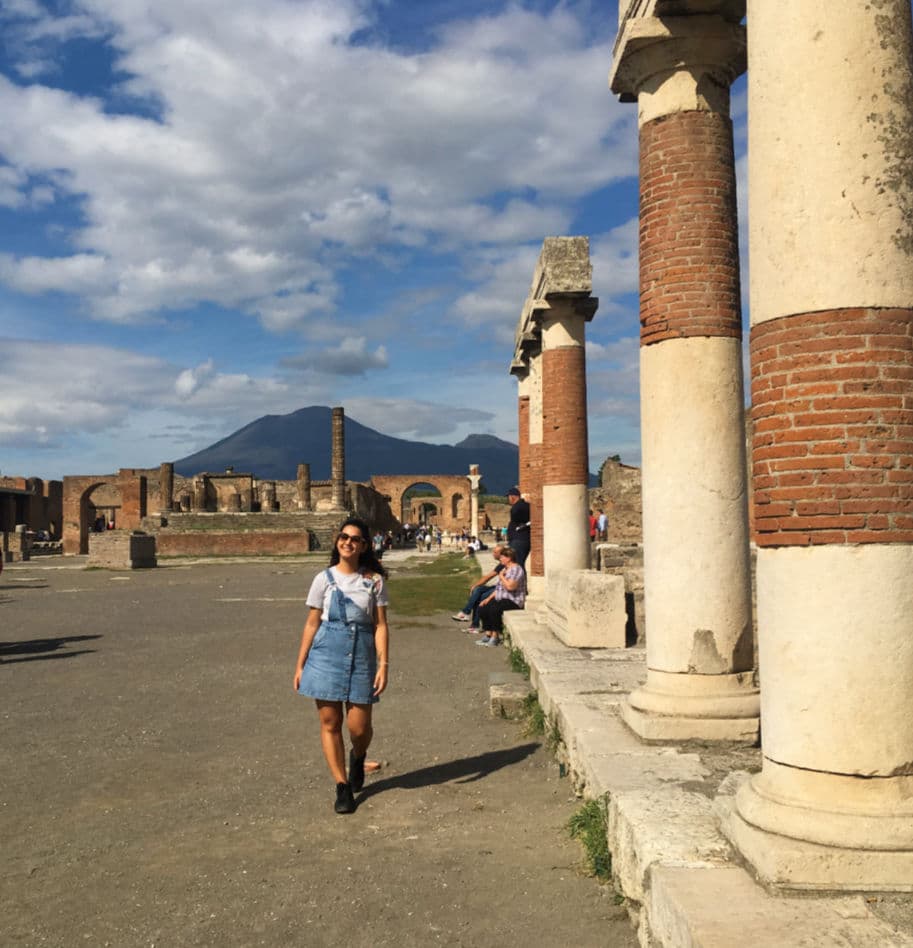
{"points": [[831, 243], [697, 583], [549, 360], [303, 487], [474, 480], [166, 486], [338, 459], [529, 427]]}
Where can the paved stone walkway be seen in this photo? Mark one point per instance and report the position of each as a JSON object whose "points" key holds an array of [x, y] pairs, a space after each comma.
{"points": [[162, 785]]}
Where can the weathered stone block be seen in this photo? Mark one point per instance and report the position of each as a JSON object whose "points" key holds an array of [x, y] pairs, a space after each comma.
{"points": [[507, 694], [586, 608]]}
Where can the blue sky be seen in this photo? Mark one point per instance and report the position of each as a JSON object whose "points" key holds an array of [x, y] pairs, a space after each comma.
{"points": [[213, 211]]}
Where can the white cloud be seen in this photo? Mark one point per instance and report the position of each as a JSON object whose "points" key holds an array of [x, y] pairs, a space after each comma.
{"points": [[282, 149], [414, 419], [350, 358]]}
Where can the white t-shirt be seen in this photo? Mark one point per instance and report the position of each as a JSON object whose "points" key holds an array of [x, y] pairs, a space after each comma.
{"points": [[365, 593]]}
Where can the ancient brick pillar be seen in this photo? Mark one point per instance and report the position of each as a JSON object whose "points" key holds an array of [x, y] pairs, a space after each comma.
{"points": [[338, 459], [166, 486], [133, 490], [831, 243], [565, 461], [549, 362], [304, 486], [697, 590]]}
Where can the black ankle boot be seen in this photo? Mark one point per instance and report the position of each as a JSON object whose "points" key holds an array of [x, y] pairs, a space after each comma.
{"points": [[357, 771], [345, 800]]}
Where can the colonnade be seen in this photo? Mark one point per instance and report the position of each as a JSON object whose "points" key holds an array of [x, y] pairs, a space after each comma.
{"points": [[831, 251]]}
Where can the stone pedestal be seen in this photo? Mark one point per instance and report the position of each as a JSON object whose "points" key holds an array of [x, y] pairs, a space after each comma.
{"points": [[696, 557], [832, 362]]}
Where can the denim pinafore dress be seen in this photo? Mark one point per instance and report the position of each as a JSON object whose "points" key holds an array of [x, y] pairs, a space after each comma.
{"points": [[342, 660]]}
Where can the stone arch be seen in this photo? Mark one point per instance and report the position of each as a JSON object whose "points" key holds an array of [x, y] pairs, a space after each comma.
{"points": [[79, 508], [453, 504]]}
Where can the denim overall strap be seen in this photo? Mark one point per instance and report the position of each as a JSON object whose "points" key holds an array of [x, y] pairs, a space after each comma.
{"points": [[337, 610]]}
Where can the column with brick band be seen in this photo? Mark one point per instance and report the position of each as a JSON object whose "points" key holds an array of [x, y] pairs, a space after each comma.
{"points": [[565, 467], [529, 421], [697, 581], [831, 243]]}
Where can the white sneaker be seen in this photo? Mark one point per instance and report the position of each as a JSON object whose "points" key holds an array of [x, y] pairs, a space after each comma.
{"points": [[460, 617]]}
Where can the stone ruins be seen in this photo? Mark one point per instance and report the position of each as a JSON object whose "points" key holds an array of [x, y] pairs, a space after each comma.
{"points": [[221, 513]]}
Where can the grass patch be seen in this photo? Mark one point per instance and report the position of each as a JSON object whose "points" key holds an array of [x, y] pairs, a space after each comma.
{"points": [[588, 825], [517, 662], [533, 715], [437, 585]]}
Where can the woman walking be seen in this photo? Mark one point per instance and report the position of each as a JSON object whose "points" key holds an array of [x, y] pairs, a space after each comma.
{"points": [[343, 657], [510, 593]]}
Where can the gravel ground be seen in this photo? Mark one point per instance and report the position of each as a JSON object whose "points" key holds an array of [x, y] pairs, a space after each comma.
{"points": [[162, 784]]}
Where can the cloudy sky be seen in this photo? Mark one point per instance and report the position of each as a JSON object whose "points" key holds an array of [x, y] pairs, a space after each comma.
{"points": [[213, 211]]}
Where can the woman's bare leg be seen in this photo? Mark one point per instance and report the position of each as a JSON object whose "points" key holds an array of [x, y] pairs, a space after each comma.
{"points": [[330, 713], [358, 721]]}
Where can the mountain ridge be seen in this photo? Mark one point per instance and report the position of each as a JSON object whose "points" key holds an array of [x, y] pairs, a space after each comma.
{"points": [[272, 447]]}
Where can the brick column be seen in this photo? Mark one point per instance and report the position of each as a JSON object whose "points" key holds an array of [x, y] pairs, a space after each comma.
{"points": [[565, 467], [132, 488], [166, 486], [831, 217], [304, 486], [697, 587], [338, 459]]}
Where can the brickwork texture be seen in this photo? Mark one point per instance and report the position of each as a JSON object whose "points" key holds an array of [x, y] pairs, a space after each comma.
{"points": [[564, 421], [689, 255], [832, 411]]}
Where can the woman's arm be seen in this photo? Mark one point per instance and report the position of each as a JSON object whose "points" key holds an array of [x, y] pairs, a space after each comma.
{"points": [[382, 645], [307, 637]]}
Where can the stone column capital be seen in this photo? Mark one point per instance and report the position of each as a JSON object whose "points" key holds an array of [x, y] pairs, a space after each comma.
{"points": [[677, 64]]}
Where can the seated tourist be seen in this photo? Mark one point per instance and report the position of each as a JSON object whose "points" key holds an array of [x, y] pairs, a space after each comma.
{"points": [[509, 593], [477, 592]]}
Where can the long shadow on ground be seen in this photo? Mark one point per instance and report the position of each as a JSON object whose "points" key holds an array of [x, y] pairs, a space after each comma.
{"points": [[33, 650], [465, 770]]}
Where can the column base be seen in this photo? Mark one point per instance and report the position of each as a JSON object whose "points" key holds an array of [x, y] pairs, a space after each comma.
{"points": [[794, 864], [671, 707]]}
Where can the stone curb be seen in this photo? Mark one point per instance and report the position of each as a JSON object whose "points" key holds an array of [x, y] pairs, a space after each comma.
{"points": [[684, 885]]}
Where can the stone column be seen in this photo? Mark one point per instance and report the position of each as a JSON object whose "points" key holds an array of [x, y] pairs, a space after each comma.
{"points": [[831, 242], [166, 486], [199, 494], [304, 487], [267, 496], [697, 587], [474, 479], [338, 459], [565, 459]]}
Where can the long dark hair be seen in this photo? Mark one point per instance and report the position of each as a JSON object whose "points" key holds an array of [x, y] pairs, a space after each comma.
{"points": [[367, 561]]}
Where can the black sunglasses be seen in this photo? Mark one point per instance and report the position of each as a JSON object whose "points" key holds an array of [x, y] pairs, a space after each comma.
{"points": [[350, 537]]}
